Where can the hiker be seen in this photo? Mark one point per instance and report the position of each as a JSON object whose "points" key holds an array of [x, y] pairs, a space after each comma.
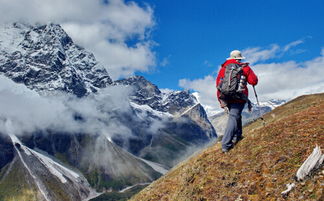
{"points": [[232, 93]]}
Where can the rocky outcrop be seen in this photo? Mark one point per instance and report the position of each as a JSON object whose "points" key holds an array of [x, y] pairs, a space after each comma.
{"points": [[45, 59]]}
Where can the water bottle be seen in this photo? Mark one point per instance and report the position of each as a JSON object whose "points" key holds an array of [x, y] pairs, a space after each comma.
{"points": [[242, 83]]}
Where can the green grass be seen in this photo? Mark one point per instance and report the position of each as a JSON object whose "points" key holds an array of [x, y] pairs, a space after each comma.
{"points": [[56, 189], [14, 186], [62, 157], [96, 179]]}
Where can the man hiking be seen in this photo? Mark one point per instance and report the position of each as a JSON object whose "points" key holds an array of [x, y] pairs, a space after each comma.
{"points": [[232, 93]]}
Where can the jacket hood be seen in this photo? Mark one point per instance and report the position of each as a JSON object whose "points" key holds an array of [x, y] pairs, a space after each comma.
{"points": [[230, 61]]}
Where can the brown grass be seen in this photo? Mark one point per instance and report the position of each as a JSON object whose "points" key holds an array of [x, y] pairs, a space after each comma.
{"points": [[259, 167]]}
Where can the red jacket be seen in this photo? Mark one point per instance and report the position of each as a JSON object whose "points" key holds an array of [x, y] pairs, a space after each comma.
{"points": [[252, 79]]}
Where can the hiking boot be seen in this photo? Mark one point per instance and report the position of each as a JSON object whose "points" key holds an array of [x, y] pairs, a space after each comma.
{"points": [[225, 151], [237, 139]]}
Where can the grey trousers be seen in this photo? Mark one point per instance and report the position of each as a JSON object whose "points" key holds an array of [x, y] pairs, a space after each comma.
{"points": [[234, 125]]}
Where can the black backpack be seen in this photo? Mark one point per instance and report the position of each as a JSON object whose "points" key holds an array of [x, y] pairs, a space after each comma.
{"points": [[232, 85]]}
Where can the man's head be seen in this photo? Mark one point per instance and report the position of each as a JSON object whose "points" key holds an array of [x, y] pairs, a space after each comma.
{"points": [[236, 54]]}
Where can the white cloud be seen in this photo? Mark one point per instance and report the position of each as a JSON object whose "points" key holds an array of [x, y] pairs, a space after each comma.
{"points": [[259, 54], [292, 44], [284, 80], [104, 29], [165, 61], [290, 79], [28, 111]]}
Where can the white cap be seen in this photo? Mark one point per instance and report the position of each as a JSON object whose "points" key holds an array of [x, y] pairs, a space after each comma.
{"points": [[236, 54]]}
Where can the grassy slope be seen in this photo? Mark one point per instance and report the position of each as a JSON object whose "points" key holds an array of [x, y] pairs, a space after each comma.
{"points": [[19, 185], [14, 185], [259, 167]]}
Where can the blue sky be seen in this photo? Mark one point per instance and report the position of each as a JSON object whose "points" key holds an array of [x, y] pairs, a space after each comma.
{"points": [[181, 44], [195, 37]]}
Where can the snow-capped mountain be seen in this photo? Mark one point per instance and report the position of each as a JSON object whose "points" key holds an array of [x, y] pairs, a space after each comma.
{"points": [[44, 58], [273, 103], [258, 111], [160, 128], [182, 122], [146, 93]]}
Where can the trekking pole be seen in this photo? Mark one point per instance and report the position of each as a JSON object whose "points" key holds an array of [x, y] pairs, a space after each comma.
{"points": [[256, 97]]}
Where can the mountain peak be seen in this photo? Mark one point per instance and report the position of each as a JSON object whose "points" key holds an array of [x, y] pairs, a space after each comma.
{"points": [[44, 58], [146, 93]]}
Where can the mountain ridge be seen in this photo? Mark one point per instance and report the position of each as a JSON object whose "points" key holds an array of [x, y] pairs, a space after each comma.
{"points": [[44, 58], [136, 136]]}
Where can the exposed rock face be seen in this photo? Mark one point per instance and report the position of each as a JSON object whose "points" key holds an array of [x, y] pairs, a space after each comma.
{"points": [[146, 93], [164, 127], [7, 149], [96, 156], [197, 114], [44, 58], [47, 178], [184, 126]]}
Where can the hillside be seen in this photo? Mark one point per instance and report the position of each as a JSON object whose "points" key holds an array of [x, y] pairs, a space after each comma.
{"points": [[259, 167]]}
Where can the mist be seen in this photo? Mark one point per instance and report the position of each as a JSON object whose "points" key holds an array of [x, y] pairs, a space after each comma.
{"points": [[94, 114]]}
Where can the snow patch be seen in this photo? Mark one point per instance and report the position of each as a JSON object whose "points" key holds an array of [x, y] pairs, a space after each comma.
{"points": [[188, 110], [156, 166], [55, 168], [130, 187], [272, 103], [146, 108], [15, 140]]}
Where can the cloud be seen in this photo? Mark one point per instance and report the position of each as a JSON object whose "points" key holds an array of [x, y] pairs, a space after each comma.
{"points": [[292, 44], [282, 80], [208, 63], [290, 79], [106, 29], [165, 61], [259, 54], [28, 111]]}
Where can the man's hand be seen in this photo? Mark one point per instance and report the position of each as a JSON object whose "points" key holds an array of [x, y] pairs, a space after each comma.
{"points": [[222, 103], [226, 110], [249, 106]]}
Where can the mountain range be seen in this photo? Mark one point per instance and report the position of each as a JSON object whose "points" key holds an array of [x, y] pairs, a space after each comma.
{"points": [[140, 132]]}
